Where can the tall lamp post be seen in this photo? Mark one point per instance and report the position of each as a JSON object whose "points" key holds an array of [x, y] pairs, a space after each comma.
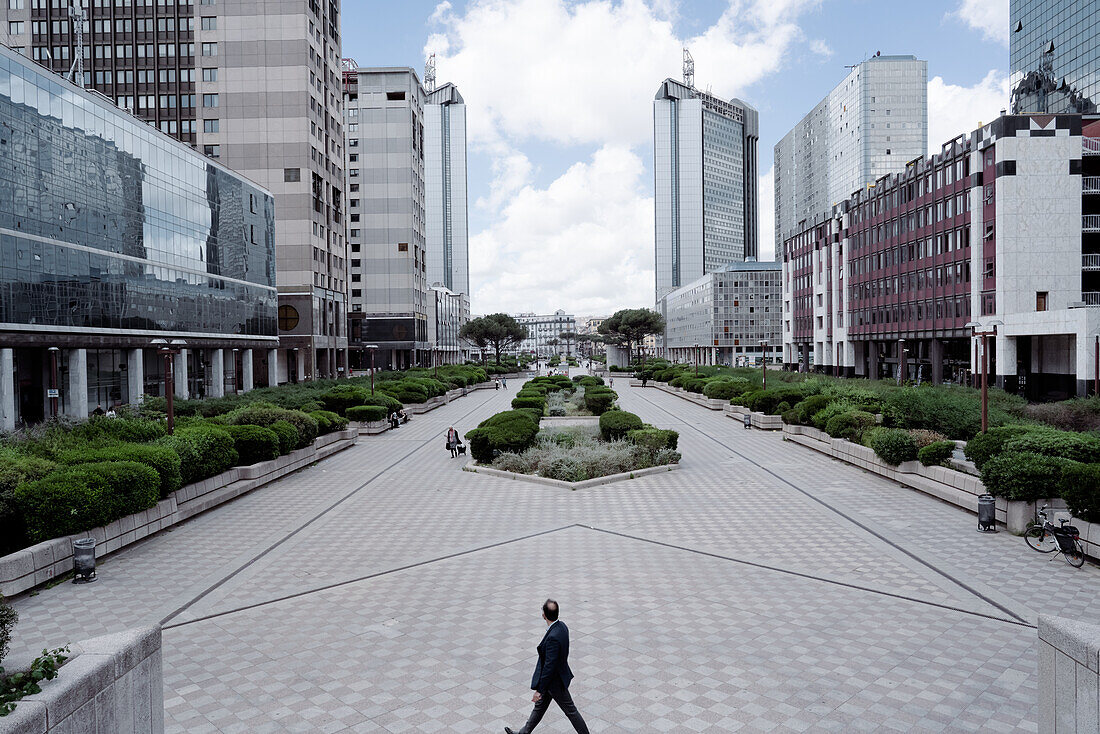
{"points": [[903, 369], [985, 333], [52, 392], [696, 360], [435, 362], [764, 362], [168, 350], [371, 348]]}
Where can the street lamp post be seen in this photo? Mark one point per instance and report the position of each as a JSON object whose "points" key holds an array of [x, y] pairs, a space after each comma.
{"points": [[371, 348], [168, 350], [985, 334], [902, 367], [764, 363], [435, 362], [53, 393], [696, 360]]}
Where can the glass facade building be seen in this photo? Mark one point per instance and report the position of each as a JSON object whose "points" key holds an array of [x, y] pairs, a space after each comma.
{"points": [[1054, 52], [112, 234]]}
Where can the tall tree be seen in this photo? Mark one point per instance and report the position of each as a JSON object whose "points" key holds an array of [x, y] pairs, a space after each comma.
{"points": [[569, 337], [630, 326], [497, 330]]}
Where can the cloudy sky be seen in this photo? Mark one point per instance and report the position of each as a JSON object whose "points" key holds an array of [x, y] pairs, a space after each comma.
{"points": [[559, 106]]}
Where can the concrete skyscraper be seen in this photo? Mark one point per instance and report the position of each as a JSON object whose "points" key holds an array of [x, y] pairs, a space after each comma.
{"points": [[252, 83], [705, 172], [871, 124], [1053, 53], [445, 189]]}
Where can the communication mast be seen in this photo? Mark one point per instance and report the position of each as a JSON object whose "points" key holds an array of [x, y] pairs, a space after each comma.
{"points": [[429, 73], [689, 69], [79, 17]]}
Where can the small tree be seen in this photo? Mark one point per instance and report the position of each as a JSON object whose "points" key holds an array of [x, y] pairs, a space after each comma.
{"points": [[569, 337], [498, 331], [630, 326]]}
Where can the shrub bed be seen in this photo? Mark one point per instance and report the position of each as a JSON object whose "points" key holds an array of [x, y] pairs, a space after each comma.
{"points": [[162, 459], [936, 454], [894, 445], [367, 413], [615, 424], [598, 400], [254, 443], [512, 430], [204, 451], [1080, 488], [1024, 476], [574, 455]]}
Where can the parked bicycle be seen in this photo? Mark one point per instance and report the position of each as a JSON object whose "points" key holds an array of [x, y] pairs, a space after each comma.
{"points": [[1046, 537]]}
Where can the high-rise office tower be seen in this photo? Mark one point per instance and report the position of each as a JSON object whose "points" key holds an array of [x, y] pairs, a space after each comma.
{"points": [[704, 161], [253, 83], [447, 234], [1053, 54], [871, 124]]}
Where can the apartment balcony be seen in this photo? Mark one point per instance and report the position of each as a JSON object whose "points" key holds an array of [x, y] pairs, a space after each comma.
{"points": [[1090, 146], [1090, 263], [1091, 298], [1090, 223], [1090, 185]]}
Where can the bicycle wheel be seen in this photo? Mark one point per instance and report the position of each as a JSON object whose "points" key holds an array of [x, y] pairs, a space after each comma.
{"points": [[1075, 557], [1040, 540]]}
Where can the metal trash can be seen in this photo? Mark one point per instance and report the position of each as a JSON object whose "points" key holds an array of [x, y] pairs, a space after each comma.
{"points": [[748, 420], [84, 561], [987, 514]]}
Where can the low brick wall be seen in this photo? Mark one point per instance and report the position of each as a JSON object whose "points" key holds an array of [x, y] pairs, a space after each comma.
{"points": [[762, 421], [111, 685], [40, 563], [1069, 676]]}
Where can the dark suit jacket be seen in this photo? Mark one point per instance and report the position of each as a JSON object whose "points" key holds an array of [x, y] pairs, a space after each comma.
{"points": [[553, 665]]}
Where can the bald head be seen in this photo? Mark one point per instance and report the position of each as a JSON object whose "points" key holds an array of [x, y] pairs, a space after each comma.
{"points": [[550, 610]]}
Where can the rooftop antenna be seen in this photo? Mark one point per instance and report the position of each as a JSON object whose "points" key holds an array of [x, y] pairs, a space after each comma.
{"points": [[429, 73], [689, 69], [79, 17]]}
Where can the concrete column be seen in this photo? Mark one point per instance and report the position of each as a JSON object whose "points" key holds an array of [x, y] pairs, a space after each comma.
{"points": [[135, 374], [272, 367], [246, 370], [1006, 359], [7, 389], [936, 355], [179, 373], [872, 360], [76, 403], [217, 373]]}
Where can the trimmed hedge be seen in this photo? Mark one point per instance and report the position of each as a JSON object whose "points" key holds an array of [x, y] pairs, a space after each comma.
{"points": [[512, 430], [264, 414], [726, 388], [1081, 447], [850, 425], [162, 459], [538, 404], [131, 430], [653, 439], [342, 397], [388, 402], [288, 436], [936, 454], [985, 446], [599, 400], [1080, 488], [766, 401], [894, 446], [810, 407], [204, 450], [85, 496], [16, 469], [1024, 476], [615, 424], [328, 422], [367, 413], [254, 443]]}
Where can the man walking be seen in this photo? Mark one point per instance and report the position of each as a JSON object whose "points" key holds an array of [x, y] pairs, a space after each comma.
{"points": [[552, 674]]}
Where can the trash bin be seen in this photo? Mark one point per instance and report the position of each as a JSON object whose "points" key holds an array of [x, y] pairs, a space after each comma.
{"points": [[748, 420], [84, 561], [987, 514]]}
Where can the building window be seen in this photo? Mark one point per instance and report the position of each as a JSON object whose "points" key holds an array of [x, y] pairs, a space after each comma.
{"points": [[1041, 301], [210, 49], [288, 318], [210, 126], [210, 75], [214, 151], [395, 96], [16, 5], [209, 23], [209, 100], [402, 246], [15, 28], [292, 175]]}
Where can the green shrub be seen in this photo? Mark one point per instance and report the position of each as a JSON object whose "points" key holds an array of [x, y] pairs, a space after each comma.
{"points": [[16, 469], [850, 425], [408, 392], [388, 402], [512, 430], [130, 430], [952, 411], [204, 450], [985, 446], [8, 618], [288, 436], [653, 439], [894, 446], [1076, 446], [538, 404], [86, 496], [264, 414], [810, 407], [615, 424], [588, 380], [162, 459], [1080, 488], [599, 400], [328, 422], [766, 401], [780, 409], [925, 437], [1024, 476], [822, 416], [254, 443], [367, 413], [342, 397], [936, 454], [790, 417], [727, 388]]}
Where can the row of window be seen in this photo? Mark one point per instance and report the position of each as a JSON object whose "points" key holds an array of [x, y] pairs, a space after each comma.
{"points": [[938, 277]]}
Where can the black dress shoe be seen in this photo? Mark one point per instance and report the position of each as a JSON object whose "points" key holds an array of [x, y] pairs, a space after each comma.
{"points": [[508, 730]]}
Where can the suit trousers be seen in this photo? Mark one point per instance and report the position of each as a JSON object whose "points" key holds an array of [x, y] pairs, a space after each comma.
{"points": [[560, 694]]}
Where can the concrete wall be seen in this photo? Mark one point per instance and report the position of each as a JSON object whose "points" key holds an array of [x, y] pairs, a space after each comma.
{"points": [[111, 685], [1069, 676]]}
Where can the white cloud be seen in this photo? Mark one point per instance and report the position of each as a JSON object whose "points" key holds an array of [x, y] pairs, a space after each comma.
{"points": [[566, 73], [990, 17], [954, 109], [821, 48], [584, 243]]}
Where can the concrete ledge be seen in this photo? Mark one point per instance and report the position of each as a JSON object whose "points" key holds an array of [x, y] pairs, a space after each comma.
{"points": [[111, 684], [44, 561], [1069, 675], [474, 467]]}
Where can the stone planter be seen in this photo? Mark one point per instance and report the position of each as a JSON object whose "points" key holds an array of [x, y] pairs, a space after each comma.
{"points": [[474, 467]]}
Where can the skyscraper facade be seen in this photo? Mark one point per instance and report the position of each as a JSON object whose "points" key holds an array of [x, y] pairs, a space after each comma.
{"points": [[447, 234], [255, 85], [705, 172], [1054, 53], [871, 124]]}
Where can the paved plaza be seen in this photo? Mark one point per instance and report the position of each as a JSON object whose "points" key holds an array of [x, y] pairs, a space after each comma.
{"points": [[762, 587]]}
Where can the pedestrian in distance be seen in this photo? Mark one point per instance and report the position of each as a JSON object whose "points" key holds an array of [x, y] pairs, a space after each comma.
{"points": [[452, 441], [644, 378], [394, 420], [552, 674], [504, 381]]}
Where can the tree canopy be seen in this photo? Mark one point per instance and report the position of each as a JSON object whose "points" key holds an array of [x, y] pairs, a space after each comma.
{"points": [[497, 330], [629, 326]]}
